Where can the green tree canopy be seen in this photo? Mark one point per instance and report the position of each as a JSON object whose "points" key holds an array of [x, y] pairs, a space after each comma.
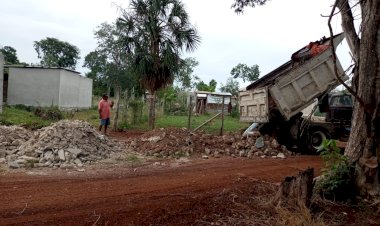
{"points": [[156, 32], [56, 53], [247, 73], [10, 55], [210, 87], [185, 75], [97, 63], [231, 86]]}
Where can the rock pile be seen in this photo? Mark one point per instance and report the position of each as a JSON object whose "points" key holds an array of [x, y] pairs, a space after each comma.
{"points": [[174, 142], [164, 142], [64, 144], [11, 137]]}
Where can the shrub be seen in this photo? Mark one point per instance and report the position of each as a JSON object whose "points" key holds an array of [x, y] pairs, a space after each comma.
{"points": [[337, 181], [235, 112], [24, 107], [51, 113], [137, 108]]}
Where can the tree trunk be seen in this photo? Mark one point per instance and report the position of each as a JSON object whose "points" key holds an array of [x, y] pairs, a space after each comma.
{"points": [[152, 110], [116, 117], [296, 191], [125, 110], [363, 147]]}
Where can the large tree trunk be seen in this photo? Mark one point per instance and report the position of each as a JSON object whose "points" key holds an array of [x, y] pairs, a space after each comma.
{"points": [[152, 110], [364, 143]]}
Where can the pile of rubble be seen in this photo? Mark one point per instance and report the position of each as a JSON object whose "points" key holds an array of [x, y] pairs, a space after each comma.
{"points": [[11, 137], [174, 142], [64, 144]]}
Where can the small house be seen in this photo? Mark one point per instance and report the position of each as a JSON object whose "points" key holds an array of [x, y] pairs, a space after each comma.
{"points": [[212, 102], [45, 87]]}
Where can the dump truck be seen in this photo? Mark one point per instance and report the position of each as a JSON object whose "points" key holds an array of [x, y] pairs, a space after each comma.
{"points": [[274, 102]]}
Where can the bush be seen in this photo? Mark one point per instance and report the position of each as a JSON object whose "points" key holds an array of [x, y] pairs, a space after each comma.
{"points": [[337, 181], [137, 109], [51, 113], [235, 112], [24, 107]]}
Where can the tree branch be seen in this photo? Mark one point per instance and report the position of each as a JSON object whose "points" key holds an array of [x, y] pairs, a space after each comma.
{"points": [[350, 90], [349, 28]]}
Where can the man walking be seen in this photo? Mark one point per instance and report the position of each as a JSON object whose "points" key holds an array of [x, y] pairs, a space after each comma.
{"points": [[104, 107]]}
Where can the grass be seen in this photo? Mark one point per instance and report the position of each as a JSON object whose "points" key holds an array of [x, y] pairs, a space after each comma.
{"points": [[90, 115], [230, 124], [16, 116]]}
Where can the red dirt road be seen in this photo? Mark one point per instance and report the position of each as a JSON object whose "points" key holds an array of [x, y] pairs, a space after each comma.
{"points": [[174, 194]]}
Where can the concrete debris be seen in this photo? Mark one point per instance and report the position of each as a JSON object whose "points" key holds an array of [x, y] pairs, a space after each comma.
{"points": [[281, 156], [64, 144], [260, 142], [175, 143], [11, 137]]}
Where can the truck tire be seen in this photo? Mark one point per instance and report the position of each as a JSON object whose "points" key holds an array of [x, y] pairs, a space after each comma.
{"points": [[315, 138]]}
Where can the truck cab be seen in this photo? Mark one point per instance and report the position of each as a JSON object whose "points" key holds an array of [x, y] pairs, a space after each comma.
{"points": [[338, 108]]}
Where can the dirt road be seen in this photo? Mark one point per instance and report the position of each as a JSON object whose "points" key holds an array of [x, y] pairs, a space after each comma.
{"points": [[177, 193]]}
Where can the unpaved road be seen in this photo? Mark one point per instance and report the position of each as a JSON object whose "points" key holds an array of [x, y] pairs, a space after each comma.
{"points": [[173, 194]]}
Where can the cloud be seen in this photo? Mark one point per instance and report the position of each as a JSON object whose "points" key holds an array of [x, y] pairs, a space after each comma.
{"points": [[265, 35]]}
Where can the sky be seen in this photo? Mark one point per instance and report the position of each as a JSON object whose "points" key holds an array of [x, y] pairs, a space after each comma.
{"points": [[265, 35]]}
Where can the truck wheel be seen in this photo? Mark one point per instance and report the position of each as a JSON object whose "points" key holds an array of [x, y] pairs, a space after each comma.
{"points": [[316, 138]]}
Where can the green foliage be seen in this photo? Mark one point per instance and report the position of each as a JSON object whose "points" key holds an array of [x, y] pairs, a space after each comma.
{"points": [[50, 113], [185, 76], [245, 72], [137, 108], [97, 63], [24, 107], [235, 112], [155, 32], [337, 181], [239, 5], [10, 55], [230, 124], [110, 61], [201, 86], [56, 53], [232, 86], [21, 117]]}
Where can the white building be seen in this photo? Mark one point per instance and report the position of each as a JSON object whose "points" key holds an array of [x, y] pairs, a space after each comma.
{"points": [[45, 87]]}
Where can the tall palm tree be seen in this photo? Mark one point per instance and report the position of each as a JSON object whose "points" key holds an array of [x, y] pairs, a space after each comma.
{"points": [[156, 32]]}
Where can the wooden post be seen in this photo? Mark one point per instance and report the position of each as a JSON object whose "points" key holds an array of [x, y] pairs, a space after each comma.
{"points": [[189, 119], [221, 128]]}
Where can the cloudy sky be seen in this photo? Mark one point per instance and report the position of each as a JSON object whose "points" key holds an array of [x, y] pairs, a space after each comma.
{"points": [[265, 35]]}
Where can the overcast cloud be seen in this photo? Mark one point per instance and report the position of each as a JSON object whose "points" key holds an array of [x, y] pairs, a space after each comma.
{"points": [[265, 35]]}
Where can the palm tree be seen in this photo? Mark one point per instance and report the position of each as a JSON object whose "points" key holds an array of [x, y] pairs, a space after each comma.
{"points": [[156, 32]]}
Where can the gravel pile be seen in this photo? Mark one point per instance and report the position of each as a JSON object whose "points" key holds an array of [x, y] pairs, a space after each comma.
{"points": [[64, 144]]}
